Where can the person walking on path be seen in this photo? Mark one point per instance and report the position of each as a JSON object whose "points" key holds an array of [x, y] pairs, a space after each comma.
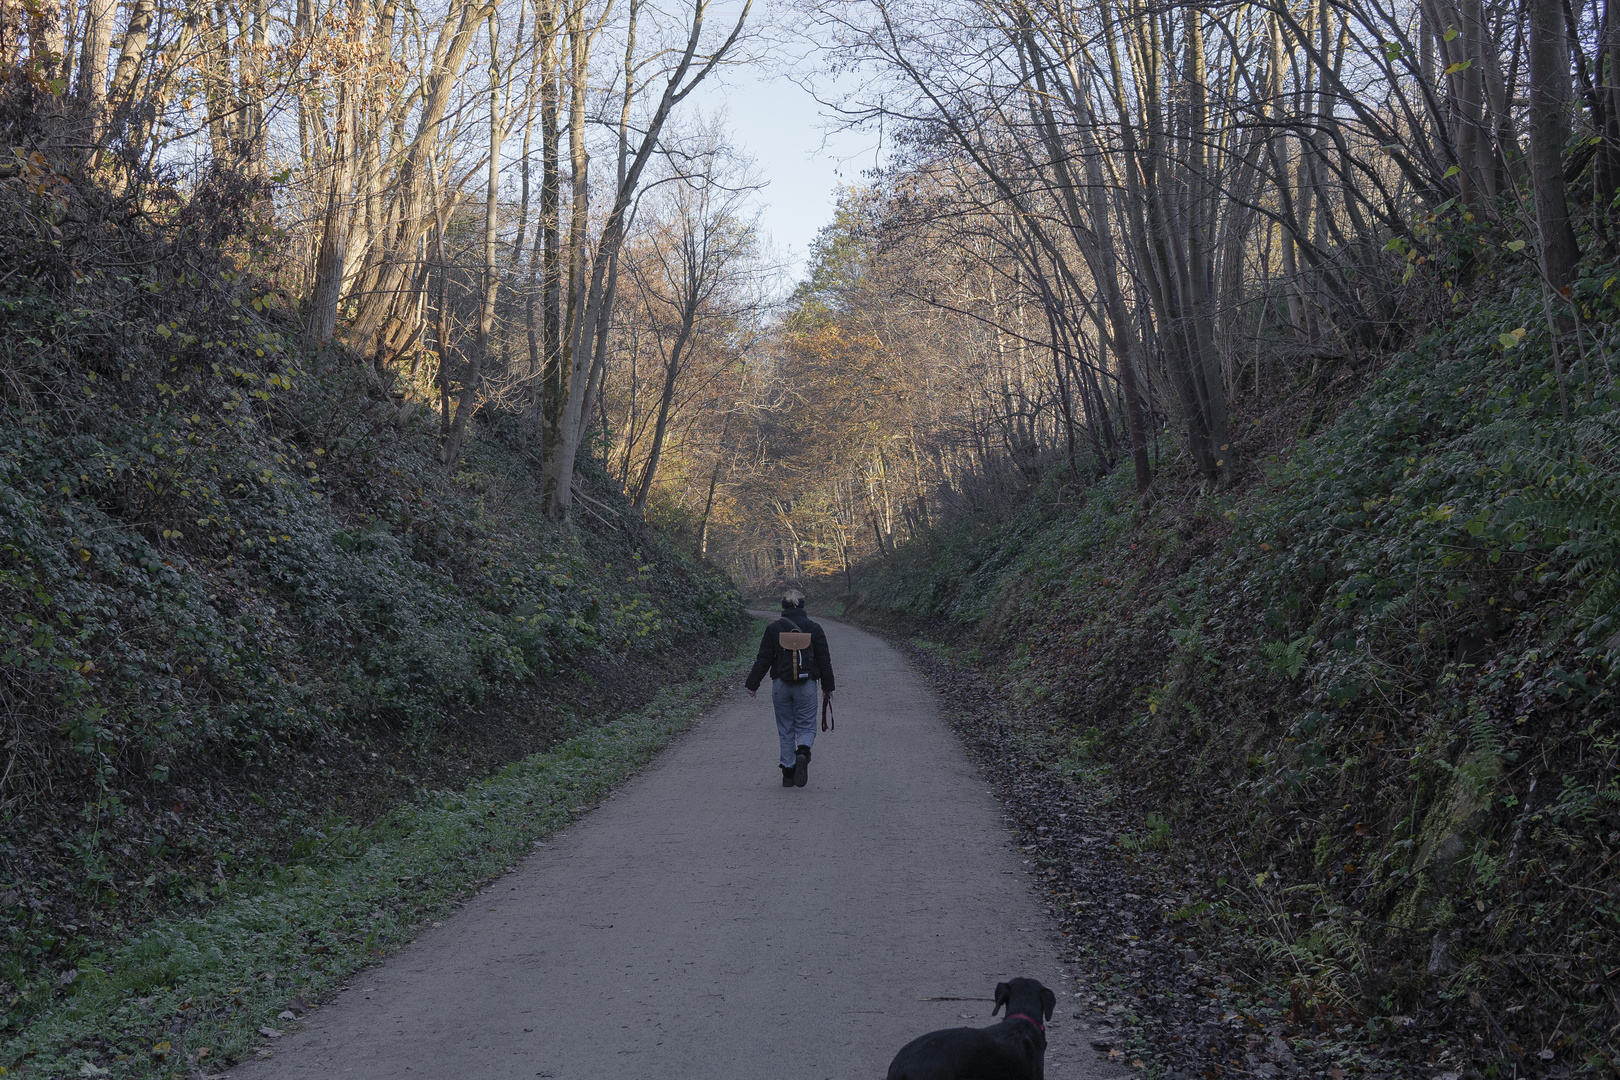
{"points": [[794, 652]]}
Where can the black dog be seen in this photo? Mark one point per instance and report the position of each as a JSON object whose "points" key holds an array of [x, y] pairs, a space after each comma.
{"points": [[1014, 1049]]}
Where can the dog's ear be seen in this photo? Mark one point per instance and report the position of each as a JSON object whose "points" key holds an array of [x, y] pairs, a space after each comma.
{"points": [[1048, 1002], [1003, 992]]}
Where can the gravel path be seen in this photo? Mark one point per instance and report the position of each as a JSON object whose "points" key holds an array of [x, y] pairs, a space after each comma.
{"points": [[707, 923]]}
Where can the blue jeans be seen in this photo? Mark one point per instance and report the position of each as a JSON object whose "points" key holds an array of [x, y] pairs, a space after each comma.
{"points": [[795, 715]]}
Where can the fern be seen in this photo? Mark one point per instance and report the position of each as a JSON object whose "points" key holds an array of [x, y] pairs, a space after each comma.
{"points": [[1486, 736], [1574, 504], [1288, 658], [1157, 836]]}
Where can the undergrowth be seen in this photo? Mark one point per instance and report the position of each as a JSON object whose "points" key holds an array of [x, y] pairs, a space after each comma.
{"points": [[194, 993]]}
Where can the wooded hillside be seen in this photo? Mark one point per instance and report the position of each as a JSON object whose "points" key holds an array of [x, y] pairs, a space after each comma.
{"points": [[1348, 725], [266, 582]]}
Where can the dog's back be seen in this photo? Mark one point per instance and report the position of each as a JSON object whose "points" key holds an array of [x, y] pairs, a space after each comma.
{"points": [[1014, 1049], [1010, 1049]]}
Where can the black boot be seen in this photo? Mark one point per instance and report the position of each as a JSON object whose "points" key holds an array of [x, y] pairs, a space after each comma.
{"points": [[787, 776], [801, 767]]}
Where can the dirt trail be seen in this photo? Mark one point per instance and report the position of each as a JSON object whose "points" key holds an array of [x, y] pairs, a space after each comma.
{"points": [[707, 923]]}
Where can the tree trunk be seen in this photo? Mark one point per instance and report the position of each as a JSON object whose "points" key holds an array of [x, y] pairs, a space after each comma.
{"points": [[131, 54], [484, 347], [442, 324], [1101, 256], [251, 94], [550, 396], [332, 256], [714, 482], [1606, 179], [97, 42], [1549, 131], [672, 370]]}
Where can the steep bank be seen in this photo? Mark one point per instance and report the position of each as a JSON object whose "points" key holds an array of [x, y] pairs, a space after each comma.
{"points": [[1348, 728], [248, 611]]}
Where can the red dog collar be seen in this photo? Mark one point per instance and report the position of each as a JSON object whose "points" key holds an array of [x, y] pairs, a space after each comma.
{"points": [[1020, 1016]]}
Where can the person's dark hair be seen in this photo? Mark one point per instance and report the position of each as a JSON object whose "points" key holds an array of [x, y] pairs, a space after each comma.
{"points": [[792, 598]]}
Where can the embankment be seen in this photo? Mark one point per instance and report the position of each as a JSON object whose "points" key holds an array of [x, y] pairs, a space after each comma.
{"points": [[248, 613], [1348, 727]]}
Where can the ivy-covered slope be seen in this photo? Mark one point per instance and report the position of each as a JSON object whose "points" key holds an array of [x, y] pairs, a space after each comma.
{"points": [[241, 596], [1369, 696]]}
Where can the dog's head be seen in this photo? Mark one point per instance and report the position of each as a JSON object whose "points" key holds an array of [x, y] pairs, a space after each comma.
{"points": [[1024, 996]]}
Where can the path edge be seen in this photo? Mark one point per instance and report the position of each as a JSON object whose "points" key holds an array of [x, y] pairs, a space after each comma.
{"points": [[190, 996]]}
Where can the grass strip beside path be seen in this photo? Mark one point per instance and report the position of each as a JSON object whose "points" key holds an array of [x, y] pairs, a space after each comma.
{"points": [[191, 995]]}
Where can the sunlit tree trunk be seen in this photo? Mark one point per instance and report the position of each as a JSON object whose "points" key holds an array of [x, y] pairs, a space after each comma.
{"points": [[332, 256], [395, 256], [484, 347], [131, 54]]}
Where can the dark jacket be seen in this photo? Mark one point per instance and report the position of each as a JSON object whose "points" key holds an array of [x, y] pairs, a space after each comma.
{"points": [[779, 662]]}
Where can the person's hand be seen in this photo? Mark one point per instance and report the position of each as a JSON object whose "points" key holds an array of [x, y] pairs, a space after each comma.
{"points": [[827, 694], [751, 693]]}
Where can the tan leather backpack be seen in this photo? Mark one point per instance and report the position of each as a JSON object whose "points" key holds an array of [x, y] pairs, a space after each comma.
{"points": [[794, 641]]}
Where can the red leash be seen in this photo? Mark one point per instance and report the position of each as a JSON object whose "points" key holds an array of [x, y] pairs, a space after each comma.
{"points": [[828, 720]]}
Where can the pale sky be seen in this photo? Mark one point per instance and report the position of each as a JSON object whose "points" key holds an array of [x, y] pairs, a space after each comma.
{"points": [[781, 128]]}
